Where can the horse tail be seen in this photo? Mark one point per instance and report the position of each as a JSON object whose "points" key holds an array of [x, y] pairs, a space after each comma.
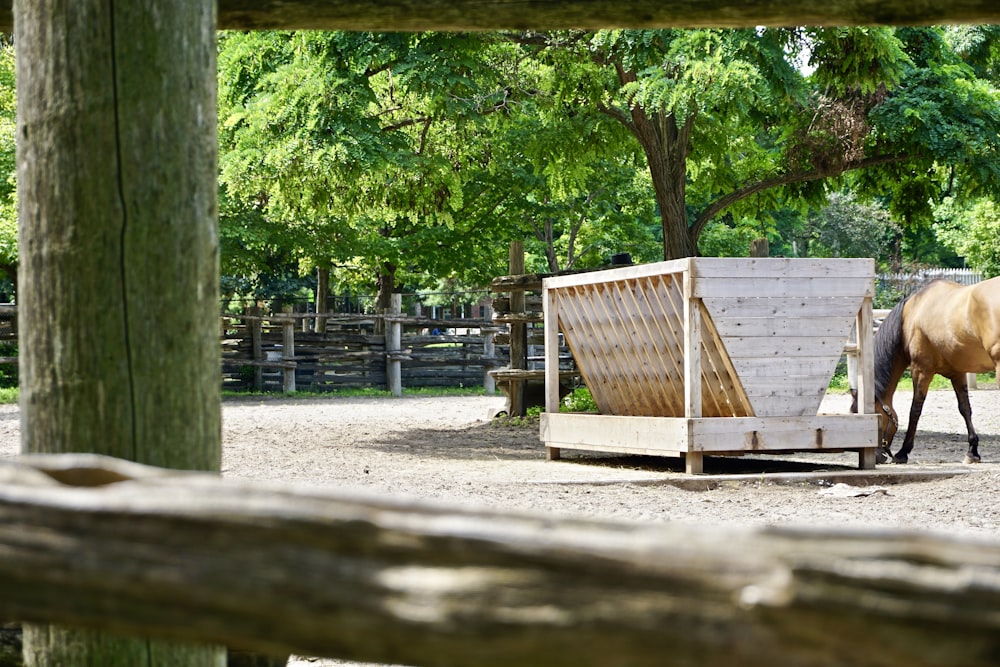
{"points": [[888, 343]]}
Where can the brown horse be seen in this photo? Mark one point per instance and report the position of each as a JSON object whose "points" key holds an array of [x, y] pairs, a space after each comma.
{"points": [[945, 329]]}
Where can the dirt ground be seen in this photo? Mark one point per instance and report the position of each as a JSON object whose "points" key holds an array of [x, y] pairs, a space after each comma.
{"points": [[447, 449]]}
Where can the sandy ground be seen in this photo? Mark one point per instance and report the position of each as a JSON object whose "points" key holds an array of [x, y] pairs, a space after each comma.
{"points": [[446, 449]]}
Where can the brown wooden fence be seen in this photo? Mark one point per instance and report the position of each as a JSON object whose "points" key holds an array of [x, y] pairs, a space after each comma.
{"points": [[274, 353], [282, 352], [8, 331], [125, 548]]}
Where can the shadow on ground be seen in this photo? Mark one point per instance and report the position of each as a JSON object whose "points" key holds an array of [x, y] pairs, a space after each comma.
{"points": [[495, 441]]}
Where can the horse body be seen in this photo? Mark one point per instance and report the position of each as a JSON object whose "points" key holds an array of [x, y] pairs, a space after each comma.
{"points": [[944, 329]]}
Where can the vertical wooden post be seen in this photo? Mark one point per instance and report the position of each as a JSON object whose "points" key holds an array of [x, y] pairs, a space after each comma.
{"points": [[490, 352], [257, 347], [118, 215], [550, 310], [693, 461], [288, 352], [322, 292], [393, 345], [852, 359], [518, 332], [866, 375]]}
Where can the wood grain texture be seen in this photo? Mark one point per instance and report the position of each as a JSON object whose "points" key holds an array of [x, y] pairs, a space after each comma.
{"points": [[552, 14], [192, 556], [117, 214]]}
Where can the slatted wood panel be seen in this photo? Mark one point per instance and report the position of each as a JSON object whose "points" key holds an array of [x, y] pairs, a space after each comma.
{"points": [[627, 338], [771, 334], [784, 323]]}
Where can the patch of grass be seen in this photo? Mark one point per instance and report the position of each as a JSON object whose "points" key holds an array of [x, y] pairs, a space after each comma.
{"points": [[530, 420], [8, 394], [363, 392], [982, 379]]}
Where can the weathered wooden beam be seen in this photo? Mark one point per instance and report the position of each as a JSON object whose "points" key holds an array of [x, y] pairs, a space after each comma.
{"points": [[552, 14], [126, 548]]}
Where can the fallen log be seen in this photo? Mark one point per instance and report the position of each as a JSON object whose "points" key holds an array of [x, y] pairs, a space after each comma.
{"points": [[102, 543]]}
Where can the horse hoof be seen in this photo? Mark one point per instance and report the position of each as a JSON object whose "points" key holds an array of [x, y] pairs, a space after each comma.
{"points": [[972, 459], [899, 459], [881, 457]]}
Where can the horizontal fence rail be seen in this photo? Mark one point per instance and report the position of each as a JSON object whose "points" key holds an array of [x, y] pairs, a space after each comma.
{"points": [[273, 353], [119, 547]]}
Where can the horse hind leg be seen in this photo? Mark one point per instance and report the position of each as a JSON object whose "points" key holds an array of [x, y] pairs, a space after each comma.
{"points": [[961, 386]]}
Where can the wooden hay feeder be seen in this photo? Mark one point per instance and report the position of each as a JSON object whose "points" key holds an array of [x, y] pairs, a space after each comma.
{"points": [[716, 356]]}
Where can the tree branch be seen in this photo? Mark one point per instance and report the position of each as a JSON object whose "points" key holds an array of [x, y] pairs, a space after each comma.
{"points": [[725, 202], [407, 122]]}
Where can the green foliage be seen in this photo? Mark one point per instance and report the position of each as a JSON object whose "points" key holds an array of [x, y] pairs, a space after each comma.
{"points": [[8, 372], [973, 232], [361, 150], [847, 228], [579, 400], [863, 60], [427, 153], [945, 121], [979, 47], [8, 166], [726, 238]]}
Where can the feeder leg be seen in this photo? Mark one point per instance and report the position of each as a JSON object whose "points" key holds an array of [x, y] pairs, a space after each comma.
{"points": [[694, 463], [553, 453], [866, 458]]}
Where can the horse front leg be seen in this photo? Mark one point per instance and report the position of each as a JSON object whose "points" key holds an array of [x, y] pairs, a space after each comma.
{"points": [[961, 385], [921, 382]]}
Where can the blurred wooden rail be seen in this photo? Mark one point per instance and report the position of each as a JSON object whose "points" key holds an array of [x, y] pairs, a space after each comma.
{"points": [[552, 14], [108, 544]]}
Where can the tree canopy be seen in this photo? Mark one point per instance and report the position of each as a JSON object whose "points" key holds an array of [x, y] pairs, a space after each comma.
{"points": [[423, 154], [404, 160]]}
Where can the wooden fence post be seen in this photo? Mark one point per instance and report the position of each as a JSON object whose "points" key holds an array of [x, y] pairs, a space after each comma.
{"points": [[288, 352], [393, 343], [118, 215], [257, 348], [322, 290], [489, 351], [518, 332]]}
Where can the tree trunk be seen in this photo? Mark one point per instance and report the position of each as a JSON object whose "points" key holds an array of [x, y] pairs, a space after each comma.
{"points": [[322, 291], [666, 147], [385, 284], [119, 253]]}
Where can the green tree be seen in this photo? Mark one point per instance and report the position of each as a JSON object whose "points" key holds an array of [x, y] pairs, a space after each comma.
{"points": [[729, 123], [8, 168], [845, 227], [973, 232], [359, 145], [943, 123], [575, 190], [713, 112]]}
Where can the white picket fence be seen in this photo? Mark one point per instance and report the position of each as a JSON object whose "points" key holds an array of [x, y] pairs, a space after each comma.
{"points": [[907, 283]]}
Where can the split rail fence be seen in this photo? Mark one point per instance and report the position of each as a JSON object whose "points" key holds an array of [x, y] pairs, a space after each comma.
{"points": [[271, 352], [124, 548]]}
